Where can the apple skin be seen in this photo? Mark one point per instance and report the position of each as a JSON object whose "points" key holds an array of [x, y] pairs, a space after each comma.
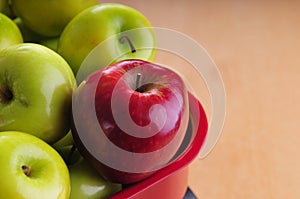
{"points": [[4, 7], [67, 140], [51, 43], [97, 24], [10, 33], [49, 177], [40, 84], [150, 121], [70, 154], [31, 37], [48, 18], [28, 35], [87, 183]]}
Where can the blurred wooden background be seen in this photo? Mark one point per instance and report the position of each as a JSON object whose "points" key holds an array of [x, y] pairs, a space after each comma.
{"points": [[256, 46]]}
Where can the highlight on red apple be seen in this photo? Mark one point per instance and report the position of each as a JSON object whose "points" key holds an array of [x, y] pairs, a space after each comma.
{"points": [[135, 118]]}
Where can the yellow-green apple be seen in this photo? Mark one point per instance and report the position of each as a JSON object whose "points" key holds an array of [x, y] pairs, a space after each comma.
{"points": [[5, 8], [87, 183], [48, 18], [31, 169], [67, 149], [127, 31], [67, 140], [31, 37], [135, 118], [36, 86], [50, 42], [9, 32], [28, 35]]}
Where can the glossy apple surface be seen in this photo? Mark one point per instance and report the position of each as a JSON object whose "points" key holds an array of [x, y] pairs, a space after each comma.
{"points": [[85, 180], [87, 183], [99, 23], [9, 32], [48, 18], [31, 169], [135, 117], [36, 86]]}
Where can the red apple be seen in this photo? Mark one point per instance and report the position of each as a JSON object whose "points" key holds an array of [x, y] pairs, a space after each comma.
{"points": [[130, 119]]}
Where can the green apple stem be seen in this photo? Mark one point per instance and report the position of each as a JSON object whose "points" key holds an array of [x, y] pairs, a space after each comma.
{"points": [[126, 38], [5, 95], [69, 158], [26, 169]]}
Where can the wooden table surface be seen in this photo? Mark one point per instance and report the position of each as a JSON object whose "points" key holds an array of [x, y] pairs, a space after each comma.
{"points": [[256, 46]]}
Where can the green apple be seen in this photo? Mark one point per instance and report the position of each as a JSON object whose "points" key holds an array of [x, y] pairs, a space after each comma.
{"points": [[70, 154], [48, 18], [67, 140], [66, 148], [9, 32], [31, 37], [128, 31], [31, 169], [27, 34], [86, 183], [50, 43], [4, 8], [36, 86]]}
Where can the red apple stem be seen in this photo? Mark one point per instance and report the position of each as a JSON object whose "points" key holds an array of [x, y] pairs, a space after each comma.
{"points": [[5, 95], [126, 38], [138, 80], [26, 169]]}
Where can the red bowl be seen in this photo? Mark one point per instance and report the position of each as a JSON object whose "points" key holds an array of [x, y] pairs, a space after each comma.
{"points": [[172, 180]]}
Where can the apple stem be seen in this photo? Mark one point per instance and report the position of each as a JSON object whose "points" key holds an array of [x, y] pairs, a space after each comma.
{"points": [[26, 169], [138, 80], [69, 158], [5, 95], [126, 38]]}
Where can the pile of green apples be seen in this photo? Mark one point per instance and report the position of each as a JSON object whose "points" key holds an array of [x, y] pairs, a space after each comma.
{"points": [[42, 47]]}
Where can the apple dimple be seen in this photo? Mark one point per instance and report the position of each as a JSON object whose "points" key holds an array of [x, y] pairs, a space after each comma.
{"points": [[148, 87], [6, 95], [26, 169]]}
